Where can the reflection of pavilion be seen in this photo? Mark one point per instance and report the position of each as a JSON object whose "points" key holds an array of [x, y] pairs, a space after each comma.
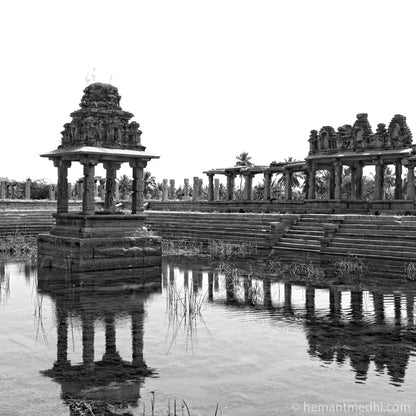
{"points": [[335, 333], [110, 378]]}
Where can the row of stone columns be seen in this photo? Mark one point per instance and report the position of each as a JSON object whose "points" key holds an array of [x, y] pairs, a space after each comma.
{"points": [[88, 189], [335, 180], [248, 188], [9, 190], [169, 189]]}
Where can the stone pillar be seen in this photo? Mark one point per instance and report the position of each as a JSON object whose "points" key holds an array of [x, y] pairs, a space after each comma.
{"points": [[62, 338], [117, 191], [359, 182], [62, 166], [311, 188], [210, 187], [216, 189], [27, 189], [356, 181], [69, 190], [137, 332], [267, 186], [51, 192], [165, 190], [110, 338], [306, 185], [137, 196], [398, 190], [332, 182], [210, 286], [88, 203], [186, 189], [200, 189], [96, 181], [230, 186], [172, 189], [338, 180], [379, 180], [111, 185], [102, 189], [195, 189], [248, 186], [410, 194], [87, 338], [3, 190], [288, 184]]}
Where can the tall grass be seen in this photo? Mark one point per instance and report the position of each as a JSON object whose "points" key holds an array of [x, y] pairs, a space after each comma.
{"points": [[410, 271], [80, 407], [213, 249], [183, 308], [18, 245]]}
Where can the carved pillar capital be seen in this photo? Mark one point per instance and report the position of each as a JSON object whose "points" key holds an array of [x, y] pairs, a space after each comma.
{"points": [[88, 160], [60, 163], [138, 163], [111, 165]]}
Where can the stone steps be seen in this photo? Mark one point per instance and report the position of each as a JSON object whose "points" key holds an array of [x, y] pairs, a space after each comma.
{"points": [[370, 252], [25, 222], [380, 245], [204, 227]]}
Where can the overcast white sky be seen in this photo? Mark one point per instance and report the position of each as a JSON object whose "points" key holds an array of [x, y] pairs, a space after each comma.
{"points": [[206, 80]]}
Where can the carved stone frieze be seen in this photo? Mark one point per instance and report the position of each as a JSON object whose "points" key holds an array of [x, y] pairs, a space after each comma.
{"points": [[360, 136]]}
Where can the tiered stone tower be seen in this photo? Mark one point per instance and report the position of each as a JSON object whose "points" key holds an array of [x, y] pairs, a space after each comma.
{"points": [[100, 132]]}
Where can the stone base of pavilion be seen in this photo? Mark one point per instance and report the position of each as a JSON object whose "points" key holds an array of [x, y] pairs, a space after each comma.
{"points": [[80, 242]]}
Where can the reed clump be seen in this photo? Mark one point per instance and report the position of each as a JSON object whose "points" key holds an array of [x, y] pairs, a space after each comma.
{"points": [[18, 245], [212, 249], [81, 407], [227, 250], [410, 271]]}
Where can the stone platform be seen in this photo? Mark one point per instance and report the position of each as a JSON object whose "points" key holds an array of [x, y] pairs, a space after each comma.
{"points": [[81, 242]]}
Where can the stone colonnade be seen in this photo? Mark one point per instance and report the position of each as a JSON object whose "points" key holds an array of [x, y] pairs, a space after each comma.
{"points": [[108, 188], [10, 190], [335, 169], [248, 176]]}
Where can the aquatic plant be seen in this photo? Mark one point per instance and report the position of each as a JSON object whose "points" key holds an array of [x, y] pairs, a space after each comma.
{"points": [[223, 249], [214, 249], [182, 248], [274, 266], [305, 272], [410, 271], [183, 308], [81, 407], [350, 265], [18, 245]]}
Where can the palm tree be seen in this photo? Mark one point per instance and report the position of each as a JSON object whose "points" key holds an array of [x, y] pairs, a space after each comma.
{"points": [[124, 186], [243, 160], [295, 176], [149, 183]]}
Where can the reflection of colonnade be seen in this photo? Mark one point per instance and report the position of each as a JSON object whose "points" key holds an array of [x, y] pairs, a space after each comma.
{"points": [[337, 331], [90, 305]]}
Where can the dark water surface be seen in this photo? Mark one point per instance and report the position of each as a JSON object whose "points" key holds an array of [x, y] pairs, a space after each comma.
{"points": [[253, 344]]}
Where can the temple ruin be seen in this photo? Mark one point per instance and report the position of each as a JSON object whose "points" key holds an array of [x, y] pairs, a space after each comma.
{"points": [[99, 132]]}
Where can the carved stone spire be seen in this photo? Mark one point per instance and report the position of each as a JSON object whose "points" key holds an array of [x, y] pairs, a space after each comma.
{"points": [[101, 122]]}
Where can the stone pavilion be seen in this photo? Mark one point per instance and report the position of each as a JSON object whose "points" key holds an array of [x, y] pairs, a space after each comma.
{"points": [[99, 132]]}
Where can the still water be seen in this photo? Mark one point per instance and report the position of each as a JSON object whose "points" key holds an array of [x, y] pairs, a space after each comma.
{"points": [[250, 343]]}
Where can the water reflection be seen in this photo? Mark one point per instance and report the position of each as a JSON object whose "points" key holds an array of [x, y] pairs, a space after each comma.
{"points": [[351, 325], [93, 299]]}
